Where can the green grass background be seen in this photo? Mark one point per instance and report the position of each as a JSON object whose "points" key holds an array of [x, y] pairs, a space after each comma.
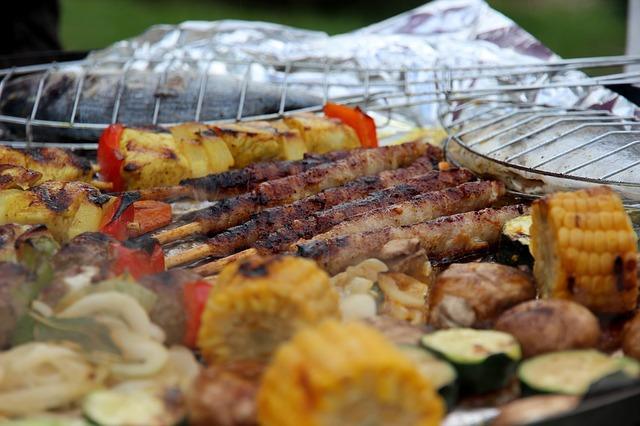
{"points": [[571, 28]]}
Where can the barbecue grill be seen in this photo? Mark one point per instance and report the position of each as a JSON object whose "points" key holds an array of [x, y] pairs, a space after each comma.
{"points": [[483, 108]]}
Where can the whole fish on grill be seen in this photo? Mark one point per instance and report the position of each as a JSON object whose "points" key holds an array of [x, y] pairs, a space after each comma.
{"points": [[143, 93]]}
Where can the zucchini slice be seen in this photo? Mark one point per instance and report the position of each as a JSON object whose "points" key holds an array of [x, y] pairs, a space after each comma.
{"points": [[485, 360], [576, 372], [513, 248], [440, 373], [113, 408]]}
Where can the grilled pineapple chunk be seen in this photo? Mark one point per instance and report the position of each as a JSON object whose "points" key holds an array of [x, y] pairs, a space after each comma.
{"points": [[258, 303], [51, 163], [205, 152], [66, 208], [261, 141], [322, 134], [585, 249], [151, 158], [17, 177], [345, 374]]}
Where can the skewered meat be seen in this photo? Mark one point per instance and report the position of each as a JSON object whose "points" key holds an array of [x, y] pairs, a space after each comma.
{"points": [[402, 205], [448, 237], [232, 211], [276, 218], [234, 182]]}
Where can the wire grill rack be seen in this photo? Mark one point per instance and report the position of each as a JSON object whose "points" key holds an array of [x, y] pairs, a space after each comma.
{"points": [[493, 114], [381, 89]]}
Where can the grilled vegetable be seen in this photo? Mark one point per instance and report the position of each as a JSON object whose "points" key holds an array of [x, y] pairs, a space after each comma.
{"points": [[585, 250], [533, 409], [148, 157], [575, 372], [67, 208], [113, 408], [51, 163], [542, 326], [484, 359], [475, 294], [258, 303], [17, 177], [322, 134], [355, 118], [345, 374], [149, 215], [515, 241], [439, 373], [205, 152]]}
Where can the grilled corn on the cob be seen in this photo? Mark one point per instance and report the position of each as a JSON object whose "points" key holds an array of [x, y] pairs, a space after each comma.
{"points": [[585, 249], [345, 374], [259, 303]]}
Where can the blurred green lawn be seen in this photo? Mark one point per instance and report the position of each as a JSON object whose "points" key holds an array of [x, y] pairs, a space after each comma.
{"points": [[571, 28]]}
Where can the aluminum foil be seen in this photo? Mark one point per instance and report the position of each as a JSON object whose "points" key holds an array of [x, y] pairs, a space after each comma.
{"points": [[443, 33]]}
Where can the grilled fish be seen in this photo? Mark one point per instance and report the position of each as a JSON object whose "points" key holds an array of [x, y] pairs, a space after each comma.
{"points": [[141, 91], [445, 238]]}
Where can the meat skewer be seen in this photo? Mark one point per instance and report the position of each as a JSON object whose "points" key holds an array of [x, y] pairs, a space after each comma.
{"points": [[234, 182], [448, 237], [401, 205], [276, 218], [235, 210]]}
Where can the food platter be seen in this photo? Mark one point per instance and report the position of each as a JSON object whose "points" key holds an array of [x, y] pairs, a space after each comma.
{"points": [[300, 257]]}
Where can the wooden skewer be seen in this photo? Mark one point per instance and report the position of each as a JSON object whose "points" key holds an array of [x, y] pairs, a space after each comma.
{"points": [[216, 266], [212, 279], [174, 234], [187, 256]]}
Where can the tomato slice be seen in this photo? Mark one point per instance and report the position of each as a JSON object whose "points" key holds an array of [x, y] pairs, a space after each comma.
{"points": [[110, 158], [195, 299], [357, 119], [137, 262], [150, 215]]}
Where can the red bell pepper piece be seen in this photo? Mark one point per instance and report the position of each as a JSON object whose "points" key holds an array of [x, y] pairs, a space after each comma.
{"points": [[195, 299], [137, 262], [150, 215], [355, 118], [110, 158], [116, 218]]}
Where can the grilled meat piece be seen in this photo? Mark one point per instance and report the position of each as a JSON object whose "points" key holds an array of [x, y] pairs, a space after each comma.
{"points": [[232, 211], [442, 239], [51, 163], [235, 182], [428, 206], [401, 203], [225, 395], [267, 221], [67, 208], [17, 177], [169, 312], [9, 234]]}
